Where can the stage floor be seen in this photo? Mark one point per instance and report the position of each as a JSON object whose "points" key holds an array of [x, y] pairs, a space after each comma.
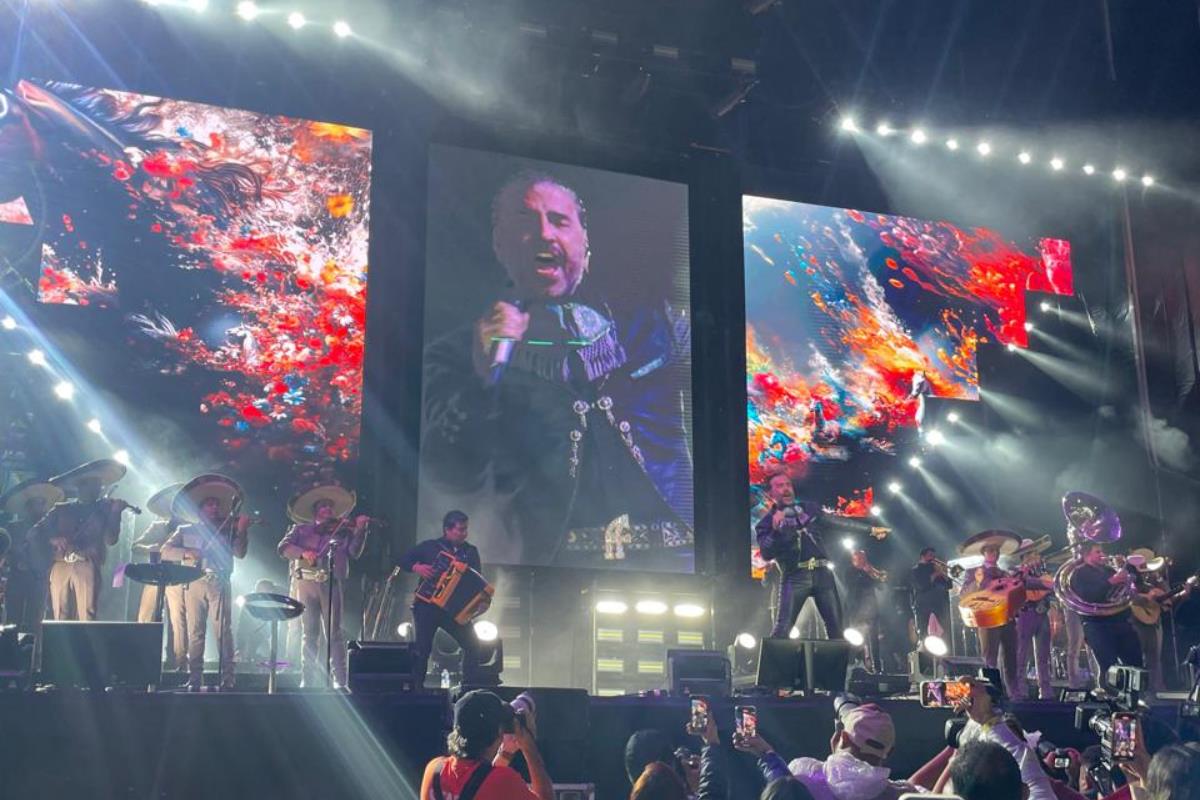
{"points": [[313, 744]]}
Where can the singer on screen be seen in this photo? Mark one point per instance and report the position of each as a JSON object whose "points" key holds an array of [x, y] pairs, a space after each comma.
{"points": [[552, 415]]}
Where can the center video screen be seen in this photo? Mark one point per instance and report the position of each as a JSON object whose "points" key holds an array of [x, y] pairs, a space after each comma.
{"points": [[854, 319], [557, 386]]}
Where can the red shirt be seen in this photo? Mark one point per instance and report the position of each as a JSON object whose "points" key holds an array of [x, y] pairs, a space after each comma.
{"points": [[503, 783]]}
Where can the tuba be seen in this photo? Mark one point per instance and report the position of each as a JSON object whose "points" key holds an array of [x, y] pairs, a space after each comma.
{"points": [[1089, 520]]}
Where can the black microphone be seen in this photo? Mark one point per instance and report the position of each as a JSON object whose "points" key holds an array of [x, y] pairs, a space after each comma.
{"points": [[502, 348]]}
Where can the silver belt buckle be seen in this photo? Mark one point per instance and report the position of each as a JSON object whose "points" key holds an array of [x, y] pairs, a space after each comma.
{"points": [[73, 558]]}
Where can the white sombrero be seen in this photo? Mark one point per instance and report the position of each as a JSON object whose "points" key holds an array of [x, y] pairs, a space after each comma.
{"points": [[188, 500], [1006, 541], [300, 508], [13, 501], [161, 502], [105, 470]]}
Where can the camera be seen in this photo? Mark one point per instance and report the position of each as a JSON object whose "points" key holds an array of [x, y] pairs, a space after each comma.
{"points": [[524, 708], [1117, 719]]}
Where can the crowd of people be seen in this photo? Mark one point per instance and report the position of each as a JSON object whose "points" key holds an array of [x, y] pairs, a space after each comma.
{"points": [[988, 756]]}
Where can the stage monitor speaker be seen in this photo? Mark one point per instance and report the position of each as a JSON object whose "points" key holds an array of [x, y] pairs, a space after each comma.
{"points": [[826, 664], [97, 655], [374, 667], [563, 724], [705, 672], [868, 684], [958, 666], [781, 664]]}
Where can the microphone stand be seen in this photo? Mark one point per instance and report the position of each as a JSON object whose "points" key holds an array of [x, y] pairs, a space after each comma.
{"points": [[330, 557], [235, 511]]}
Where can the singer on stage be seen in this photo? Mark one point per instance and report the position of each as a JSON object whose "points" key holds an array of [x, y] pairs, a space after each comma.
{"points": [[554, 417], [790, 535]]}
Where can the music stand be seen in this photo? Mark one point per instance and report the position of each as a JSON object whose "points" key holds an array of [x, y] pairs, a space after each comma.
{"points": [[272, 608]]}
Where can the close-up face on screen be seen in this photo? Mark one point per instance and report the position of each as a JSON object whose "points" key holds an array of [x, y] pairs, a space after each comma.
{"points": [[556, 406]]}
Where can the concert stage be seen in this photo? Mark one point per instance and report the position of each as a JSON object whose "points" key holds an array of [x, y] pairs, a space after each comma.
{"points": [[302, 745]]}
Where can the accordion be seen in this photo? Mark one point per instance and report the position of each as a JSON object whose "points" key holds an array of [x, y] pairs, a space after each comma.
{"points": [[456, 588]]}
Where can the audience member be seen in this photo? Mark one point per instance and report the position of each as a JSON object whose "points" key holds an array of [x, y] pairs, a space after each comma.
{"points": [[659, 781], [704, 777], [1151, 736], [476, 767], [787, 788], [1174, 773], [984, 770], [986, 723]]}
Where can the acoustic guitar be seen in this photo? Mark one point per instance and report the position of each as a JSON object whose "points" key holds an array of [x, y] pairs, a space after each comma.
{"points": [[1148, 610]]}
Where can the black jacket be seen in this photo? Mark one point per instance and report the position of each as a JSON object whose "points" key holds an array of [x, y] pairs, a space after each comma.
{"points": [[427, 551]]}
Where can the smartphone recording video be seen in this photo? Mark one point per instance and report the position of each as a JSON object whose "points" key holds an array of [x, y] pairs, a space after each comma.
{"points": [[943, 694], [1124, 735], [699, 713], [746, 718]]}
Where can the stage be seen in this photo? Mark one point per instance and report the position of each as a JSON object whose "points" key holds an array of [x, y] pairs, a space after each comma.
{"points": [[317, 744]]}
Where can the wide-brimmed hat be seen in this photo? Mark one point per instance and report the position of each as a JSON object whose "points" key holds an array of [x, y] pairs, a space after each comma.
{"points": [[188, 500], [300, 507], [13, 501], [1031, 546], [161, 502], [105, 470], [1144, 559], [1006, 541]]}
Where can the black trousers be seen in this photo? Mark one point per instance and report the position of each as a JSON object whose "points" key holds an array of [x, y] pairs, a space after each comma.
{"points": [[931, 603], [795, 588], [427, 618], [1112, 640]]}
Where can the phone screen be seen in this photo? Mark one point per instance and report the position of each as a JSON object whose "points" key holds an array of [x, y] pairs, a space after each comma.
{"points": [[943, 694], [1124, 736], [699, 713], [747, 720]]}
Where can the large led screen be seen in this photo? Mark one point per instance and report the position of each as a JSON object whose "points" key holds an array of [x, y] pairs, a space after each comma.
{"points": [[556, 404], [854, 318], [209, 267]]}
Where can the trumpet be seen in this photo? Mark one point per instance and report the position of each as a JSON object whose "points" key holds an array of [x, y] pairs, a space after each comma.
{"points": [[953, 570], [878, 574]]}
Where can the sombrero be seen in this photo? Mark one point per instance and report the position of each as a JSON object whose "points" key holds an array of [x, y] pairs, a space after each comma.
{"points": [[188, 500], [13, 501], [1007, 541], [1030, 546], [300, 507], [105, 470], [1144, 559], [161, 501]]}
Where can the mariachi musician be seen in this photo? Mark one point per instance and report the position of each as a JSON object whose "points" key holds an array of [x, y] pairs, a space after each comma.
{"points": [[1033, 623], [28, 561], [150, 543], [79, 533], [998, 644], [214, 534], [427, 617], [1152, 595], [319, 548]]}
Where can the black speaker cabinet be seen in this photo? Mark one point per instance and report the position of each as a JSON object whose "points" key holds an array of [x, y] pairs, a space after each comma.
{"points": [[101, 654]]}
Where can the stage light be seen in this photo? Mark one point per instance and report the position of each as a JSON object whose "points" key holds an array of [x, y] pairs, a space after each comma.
{"points": [[247, 10], [894, 487], [240, 602], [952, 144], [876, 511], [8, 323], [65, 390], [914, 462], [794, 633], [1119, 175], [918, 137], [936, 438], [611, 607], [1147, 180], [121, 457], [405, 631], [296, 20], [848, 543], [1046, 306], [984, 148], [37, 358], [953, 417], [1028, 326], [848, 125], [883, 129], [936, 646], [1088, 169], [1012, 348], [854, 637], [689, 610], [94, 425], [486, 631], [1056, 164], [746, 641], [341, 29], [1024, 157], [654, 607]]}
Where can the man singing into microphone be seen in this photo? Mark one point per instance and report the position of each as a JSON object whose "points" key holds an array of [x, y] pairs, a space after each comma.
{"points": [[789, 536], [555, 418]]}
